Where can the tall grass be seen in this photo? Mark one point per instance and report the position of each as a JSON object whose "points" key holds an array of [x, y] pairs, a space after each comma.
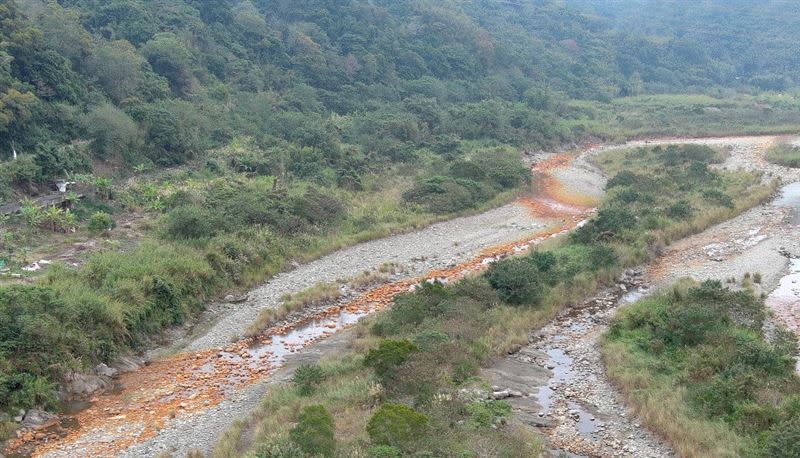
{"points": [[784, 154]]}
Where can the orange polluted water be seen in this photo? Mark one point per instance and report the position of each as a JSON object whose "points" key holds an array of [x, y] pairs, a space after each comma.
{"points": [[188, 383]]}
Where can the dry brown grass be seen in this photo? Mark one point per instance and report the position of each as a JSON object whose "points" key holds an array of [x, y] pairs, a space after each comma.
{"points": [[367, 279], [318, 294]]}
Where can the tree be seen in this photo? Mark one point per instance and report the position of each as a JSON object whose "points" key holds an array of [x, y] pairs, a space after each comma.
{"points": [[517, 281], [113, 132], [118, 68], [314, 431], [170, 57]]}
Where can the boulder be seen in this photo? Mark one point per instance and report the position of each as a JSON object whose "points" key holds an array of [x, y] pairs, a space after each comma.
{"points": [[235, 299], [502, 394], [38, 419], [78, 386], [105, 371]]}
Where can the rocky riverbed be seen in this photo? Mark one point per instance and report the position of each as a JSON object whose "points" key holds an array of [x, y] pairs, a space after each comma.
{"points": [[568, 395]]}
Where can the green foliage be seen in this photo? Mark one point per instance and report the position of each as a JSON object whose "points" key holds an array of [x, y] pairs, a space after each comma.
{"points": [[190, 222], [307, 378], [710, 340], [396, 425], [385, 451], [486, 413], [314, 431], [784, 154], [389, 355], [280, 449], [784, 440], [517, 281], [100, 222]]}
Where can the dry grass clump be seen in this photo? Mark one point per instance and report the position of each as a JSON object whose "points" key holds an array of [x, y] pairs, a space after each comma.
{"points": [[319, 294], [367, 278]]}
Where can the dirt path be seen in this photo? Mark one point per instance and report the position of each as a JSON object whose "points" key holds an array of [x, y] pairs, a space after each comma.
{"points": [[569, 396], [184, 401]]}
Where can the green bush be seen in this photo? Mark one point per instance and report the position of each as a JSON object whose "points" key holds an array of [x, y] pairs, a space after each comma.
{"points": [[190, 222], [389, 355], [609, 223], [442, 194], [100, 222], [318, 208], [485, 413], [517, 281], [314, 431], [280, 449], [784, 439], [680, 210], [396, 425], [307, 378]]}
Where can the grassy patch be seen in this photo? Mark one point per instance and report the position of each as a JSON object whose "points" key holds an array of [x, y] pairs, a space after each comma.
{"points": [[696, 366], [784, 154]]}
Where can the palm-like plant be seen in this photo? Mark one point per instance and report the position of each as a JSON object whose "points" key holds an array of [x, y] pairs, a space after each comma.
{"points": [[53, 217], [31, 214]]}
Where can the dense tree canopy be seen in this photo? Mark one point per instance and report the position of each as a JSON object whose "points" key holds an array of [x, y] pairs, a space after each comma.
{"points": [[160, 81]]}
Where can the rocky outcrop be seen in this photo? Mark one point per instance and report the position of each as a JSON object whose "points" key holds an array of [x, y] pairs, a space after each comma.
{"points": [[80, 386]]}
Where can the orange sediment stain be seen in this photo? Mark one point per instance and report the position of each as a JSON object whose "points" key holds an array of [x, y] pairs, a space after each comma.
{"points": [[189, 383]]}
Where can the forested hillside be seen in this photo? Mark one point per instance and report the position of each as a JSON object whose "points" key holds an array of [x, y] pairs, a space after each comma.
{"points": [[155, 83], [741, 42]]}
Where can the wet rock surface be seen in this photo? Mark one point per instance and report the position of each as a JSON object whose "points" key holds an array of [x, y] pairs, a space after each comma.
{"points": [[569, 396]]}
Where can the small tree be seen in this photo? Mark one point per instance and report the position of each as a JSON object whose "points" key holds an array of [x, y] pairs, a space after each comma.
{"points": [[102, 187], [389, 355], [314, 431], [52, 217], [517, 281], [307, 377], [31, 214], [396, 425]]}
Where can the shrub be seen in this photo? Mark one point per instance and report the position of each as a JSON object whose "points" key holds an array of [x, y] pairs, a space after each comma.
{"points": [[307, 377], [784, 439], [318, 208], [544, 261], [680, 210], [503, 168], [100, 222], [314, 430], [440, 194], [280, 449], [396, 425], [389, 355], [608, 223], [602, 255], [190, 222], [517, 281], [485, 413]]}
